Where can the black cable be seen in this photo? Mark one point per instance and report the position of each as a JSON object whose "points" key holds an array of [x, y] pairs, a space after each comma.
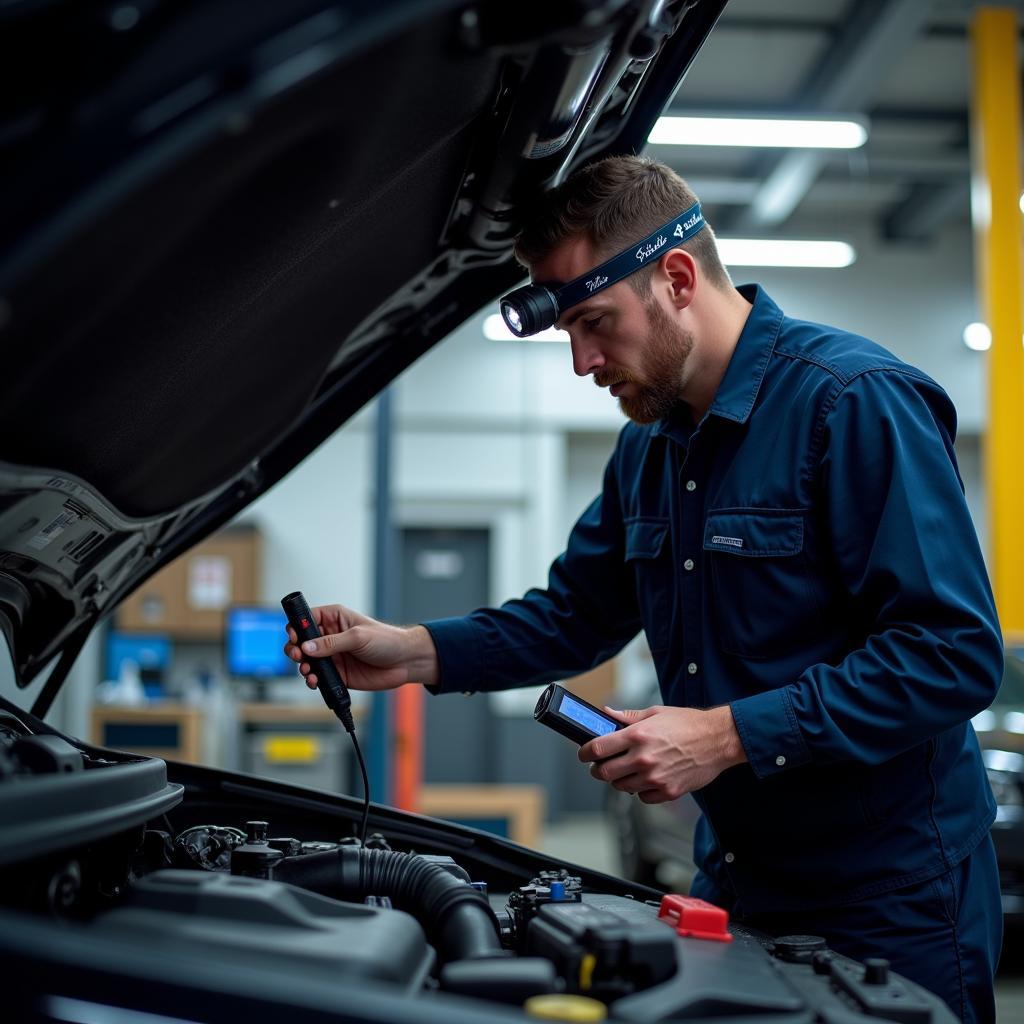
{"points": [[366, 788]]}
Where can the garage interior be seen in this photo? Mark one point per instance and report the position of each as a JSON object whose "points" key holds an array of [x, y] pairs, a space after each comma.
{"points": [[458, 485]]}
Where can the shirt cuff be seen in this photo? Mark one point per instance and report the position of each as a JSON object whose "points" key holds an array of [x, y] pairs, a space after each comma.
{"points": [[459, 654], [769, 732]]}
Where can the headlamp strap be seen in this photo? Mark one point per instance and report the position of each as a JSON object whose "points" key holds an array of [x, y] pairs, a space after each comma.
{"points": [[668, 236]]}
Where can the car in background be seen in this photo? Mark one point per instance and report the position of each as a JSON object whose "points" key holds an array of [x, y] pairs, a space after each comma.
{"points": [[654, 841], [1001, 732]]}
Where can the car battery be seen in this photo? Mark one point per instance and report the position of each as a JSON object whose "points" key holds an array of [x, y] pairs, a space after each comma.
{"points": [[600, 952]]}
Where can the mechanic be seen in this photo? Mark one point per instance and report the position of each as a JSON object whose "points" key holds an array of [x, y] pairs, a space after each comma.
{"points": [[784, 518]]}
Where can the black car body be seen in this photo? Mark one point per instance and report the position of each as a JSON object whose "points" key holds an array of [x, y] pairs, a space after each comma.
{"points": [[260, 214]]}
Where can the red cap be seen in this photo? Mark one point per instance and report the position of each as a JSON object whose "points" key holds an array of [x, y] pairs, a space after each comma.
{"points": [[695, 919]]}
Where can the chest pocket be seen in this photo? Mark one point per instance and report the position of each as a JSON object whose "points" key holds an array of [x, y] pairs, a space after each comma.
{"points": [[762, 595], [649, 553]]}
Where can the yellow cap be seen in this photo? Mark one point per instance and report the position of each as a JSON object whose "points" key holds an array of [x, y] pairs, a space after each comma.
{"points": [[576, 1009]]}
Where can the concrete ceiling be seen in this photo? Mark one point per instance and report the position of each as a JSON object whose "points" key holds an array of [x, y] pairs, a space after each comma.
{"points": [[903, 64]]}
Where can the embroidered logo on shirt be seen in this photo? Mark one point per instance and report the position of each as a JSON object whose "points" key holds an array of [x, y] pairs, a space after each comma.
{"points": [[732, 542]]}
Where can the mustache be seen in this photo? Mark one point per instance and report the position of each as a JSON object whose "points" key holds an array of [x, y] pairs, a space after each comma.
{"points": [[608, 378]]}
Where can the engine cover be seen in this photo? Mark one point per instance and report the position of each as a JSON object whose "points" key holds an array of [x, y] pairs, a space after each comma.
{"points": [[271, 923]]}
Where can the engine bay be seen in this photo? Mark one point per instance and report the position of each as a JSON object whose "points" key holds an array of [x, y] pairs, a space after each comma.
{"points": [[202, 895]]}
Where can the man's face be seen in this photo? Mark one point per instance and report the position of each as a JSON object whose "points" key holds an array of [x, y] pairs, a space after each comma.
{"points": [[627, 342]]}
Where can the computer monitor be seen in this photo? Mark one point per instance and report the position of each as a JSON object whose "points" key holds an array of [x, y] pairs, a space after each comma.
{"points": [[150, 651], [254, 641]]}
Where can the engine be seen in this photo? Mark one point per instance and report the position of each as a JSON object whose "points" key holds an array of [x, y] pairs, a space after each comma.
{"points": [[117, 891]]}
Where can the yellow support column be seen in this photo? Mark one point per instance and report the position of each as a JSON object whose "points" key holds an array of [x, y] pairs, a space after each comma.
{"points": [[996, 189]]}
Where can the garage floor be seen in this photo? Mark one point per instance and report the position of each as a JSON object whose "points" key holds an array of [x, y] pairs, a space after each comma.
{"points": [[588, 840]]}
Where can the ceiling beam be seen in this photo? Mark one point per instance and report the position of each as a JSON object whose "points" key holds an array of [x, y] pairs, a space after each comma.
{"points": [[714, 191], [925, 165], [925, 209], [877, 33]]}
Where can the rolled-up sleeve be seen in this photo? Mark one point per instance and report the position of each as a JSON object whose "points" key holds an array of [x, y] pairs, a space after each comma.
{"points": [[929, 655], [585, 615]]}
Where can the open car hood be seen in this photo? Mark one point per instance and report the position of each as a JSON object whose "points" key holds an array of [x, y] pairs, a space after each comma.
{"points": [[227, 226]]}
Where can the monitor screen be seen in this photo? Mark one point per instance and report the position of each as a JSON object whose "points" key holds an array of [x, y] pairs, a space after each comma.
{"points": [[255, 638], [151, 652]]}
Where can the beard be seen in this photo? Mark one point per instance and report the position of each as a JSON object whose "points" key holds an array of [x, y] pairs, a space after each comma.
{"points": [[659, 384]]}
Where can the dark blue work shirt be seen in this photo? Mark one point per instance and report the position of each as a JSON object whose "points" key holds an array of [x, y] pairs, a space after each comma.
{"points": [[804, 554]]}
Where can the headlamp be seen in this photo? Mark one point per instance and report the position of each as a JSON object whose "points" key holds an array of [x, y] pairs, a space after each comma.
{"points": [[529, 310], [535, 307]]}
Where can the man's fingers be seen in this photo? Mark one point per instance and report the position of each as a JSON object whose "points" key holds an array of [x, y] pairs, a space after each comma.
{"points": [[605, 746], [613, 769], [332, 643], [629, 717], [630, 783], [615, 742]]}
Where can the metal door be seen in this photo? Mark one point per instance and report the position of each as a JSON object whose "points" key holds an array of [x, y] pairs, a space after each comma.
{"points": [[446, 571]]}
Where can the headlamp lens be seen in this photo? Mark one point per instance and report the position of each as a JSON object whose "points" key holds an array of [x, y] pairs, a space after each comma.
{"points": [[512, 318], [529, 310]]}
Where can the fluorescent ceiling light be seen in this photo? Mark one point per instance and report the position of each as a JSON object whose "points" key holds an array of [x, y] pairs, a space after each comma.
{"points": [[780, 133], [495, 329], [978, 337], [784, 252]]}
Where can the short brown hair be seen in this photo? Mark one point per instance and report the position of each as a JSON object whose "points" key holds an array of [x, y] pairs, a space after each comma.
{"points": [[616, 202]]}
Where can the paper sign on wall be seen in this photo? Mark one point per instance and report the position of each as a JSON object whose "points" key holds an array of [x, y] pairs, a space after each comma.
{"points": [[209, 582]]}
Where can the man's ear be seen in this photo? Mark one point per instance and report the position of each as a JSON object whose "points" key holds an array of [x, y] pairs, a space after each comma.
{"points": [[679, 270]]}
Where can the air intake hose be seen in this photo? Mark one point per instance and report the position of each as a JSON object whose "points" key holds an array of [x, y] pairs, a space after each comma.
{"points": [[457, 919]]}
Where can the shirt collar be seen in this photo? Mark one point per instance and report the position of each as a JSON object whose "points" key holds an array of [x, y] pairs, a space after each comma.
{"points": [[738, 390]]}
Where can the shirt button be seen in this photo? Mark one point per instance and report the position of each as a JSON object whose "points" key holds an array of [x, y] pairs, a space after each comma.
{"points": [[692, 668], [691, 485], [730, 857], [688, 565], [780, 760]]}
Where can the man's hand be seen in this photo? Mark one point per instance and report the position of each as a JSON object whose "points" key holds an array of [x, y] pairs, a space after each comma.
{"points": [[370, 655], [665, 752]]}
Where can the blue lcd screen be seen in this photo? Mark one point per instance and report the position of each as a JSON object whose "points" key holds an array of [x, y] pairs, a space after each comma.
{"points": [[255, 642], [589, 719]]}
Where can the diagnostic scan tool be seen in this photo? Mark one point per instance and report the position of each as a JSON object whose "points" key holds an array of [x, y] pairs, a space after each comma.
{"points": [[572, 716]]}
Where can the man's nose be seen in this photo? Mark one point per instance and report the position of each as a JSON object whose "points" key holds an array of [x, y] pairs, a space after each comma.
{"points": [[586, 357]]}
